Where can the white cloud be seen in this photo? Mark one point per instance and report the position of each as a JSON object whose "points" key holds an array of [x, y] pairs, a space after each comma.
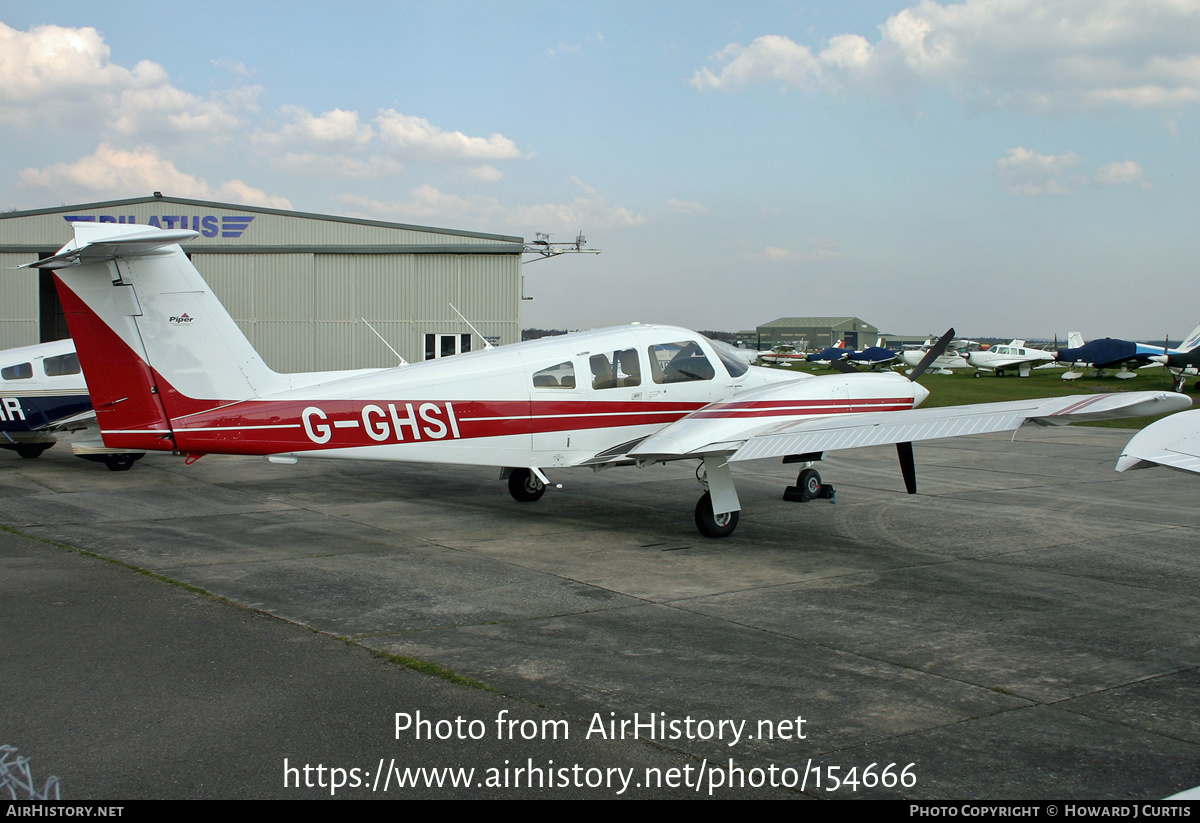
{"points": [[818, 250], [427, 203], [334, 129], [1043, 55], [114, 173], [1123, 173], [417, 137], [485, 173], [686, 207], [1025, 171], [61, 78]]}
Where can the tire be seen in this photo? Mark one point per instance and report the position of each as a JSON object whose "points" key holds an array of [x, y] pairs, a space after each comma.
{"points": [[712, 525], [809, 483], [31, 450], [525, 487], [120, 462]]}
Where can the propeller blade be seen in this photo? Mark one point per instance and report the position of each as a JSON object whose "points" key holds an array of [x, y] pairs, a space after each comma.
{"points": [[938, 349], [908, 466]]}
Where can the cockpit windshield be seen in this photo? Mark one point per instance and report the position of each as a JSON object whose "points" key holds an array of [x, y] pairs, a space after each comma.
{"points": [[733, 359]]}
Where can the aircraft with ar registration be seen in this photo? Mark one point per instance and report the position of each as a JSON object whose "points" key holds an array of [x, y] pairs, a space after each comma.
{"points": [[42, 397], [170, 371]]}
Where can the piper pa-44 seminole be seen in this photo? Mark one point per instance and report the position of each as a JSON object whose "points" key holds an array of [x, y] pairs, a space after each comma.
{"points": [[169, 370]]}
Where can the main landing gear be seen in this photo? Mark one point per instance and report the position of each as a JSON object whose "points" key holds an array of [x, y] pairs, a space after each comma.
{"points": [[714, 525], [118, 462], [525, 486], [809, 487]]}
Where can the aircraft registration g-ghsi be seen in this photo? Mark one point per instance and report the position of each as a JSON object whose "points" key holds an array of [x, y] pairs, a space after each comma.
{"points": [[169, 370]]}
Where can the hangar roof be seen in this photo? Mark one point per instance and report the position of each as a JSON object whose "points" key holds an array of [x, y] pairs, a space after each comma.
{"points": [[229, 227]]}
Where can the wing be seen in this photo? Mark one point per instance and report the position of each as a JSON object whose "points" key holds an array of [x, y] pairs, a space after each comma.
{"points": [[1173, 442], [800, 434]]}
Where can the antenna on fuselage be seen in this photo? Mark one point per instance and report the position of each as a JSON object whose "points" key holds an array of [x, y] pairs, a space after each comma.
{"points": [[486, 344], [403, 362]]}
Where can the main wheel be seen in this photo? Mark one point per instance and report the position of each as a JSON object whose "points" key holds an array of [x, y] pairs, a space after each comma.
{"points": [[809, 483], [31, 450], [524, 486], [121, 462], [714, 525]]}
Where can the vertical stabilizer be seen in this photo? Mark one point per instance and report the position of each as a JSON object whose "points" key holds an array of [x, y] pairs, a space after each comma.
{"points": [[154, 341]]}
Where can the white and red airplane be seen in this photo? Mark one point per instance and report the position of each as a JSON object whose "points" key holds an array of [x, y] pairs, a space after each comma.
{"points": [[169, 370]]}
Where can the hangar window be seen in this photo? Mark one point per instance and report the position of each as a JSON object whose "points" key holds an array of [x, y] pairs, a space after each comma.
{"points": [[560, 376], [618, 371], [63, 364], [681, 362], [445, 345], [21, 371]]}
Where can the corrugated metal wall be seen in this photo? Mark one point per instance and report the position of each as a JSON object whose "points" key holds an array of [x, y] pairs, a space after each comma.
{"points": [[295, 293], [19, 308]]}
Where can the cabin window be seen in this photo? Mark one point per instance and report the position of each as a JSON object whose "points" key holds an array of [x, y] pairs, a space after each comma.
{"points": [[21, 371], [682, 362], [63, 364], [619, 370], [560, 376]]}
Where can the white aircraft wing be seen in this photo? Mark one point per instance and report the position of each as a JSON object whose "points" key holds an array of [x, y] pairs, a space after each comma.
{"points": [[1173, 442], [805, 434]]}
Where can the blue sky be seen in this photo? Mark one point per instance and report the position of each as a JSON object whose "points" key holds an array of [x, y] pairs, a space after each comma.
{"points": [[1008, 167]]}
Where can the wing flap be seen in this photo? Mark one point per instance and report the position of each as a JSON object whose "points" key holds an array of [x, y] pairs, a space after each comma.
{"points": [[1173, 442], [882, 428]]}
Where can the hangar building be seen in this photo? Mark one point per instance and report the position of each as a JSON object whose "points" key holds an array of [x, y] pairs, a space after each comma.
{"points": [[299, 285], [814, 333]]}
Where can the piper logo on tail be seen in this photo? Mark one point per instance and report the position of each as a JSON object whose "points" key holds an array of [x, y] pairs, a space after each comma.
{"points": [[181, 320]]}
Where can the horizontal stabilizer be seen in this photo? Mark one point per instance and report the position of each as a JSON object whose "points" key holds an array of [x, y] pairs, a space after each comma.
{"points": [[108, 246]]}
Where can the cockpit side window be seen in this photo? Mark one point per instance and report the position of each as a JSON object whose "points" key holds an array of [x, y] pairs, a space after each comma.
{"points": [[619, 370], [21, 371], [681, 362], [63, 364], [559, 376]]}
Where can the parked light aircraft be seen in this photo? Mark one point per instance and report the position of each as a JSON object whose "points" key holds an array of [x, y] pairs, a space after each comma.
{"points": [[873, 356], [830, 354], [782, 355], [1109, 353], [170, 371], [1181, 365], [955, 356], [1173, 442], [42, 393], [1015, 355], [43, 396]]}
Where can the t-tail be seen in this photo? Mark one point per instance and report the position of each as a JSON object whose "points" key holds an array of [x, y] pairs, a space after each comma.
{"points": [[154, 342]]}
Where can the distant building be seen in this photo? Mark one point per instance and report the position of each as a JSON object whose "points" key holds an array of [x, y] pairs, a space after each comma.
{"points": [[299, 285], [814, 332]]}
